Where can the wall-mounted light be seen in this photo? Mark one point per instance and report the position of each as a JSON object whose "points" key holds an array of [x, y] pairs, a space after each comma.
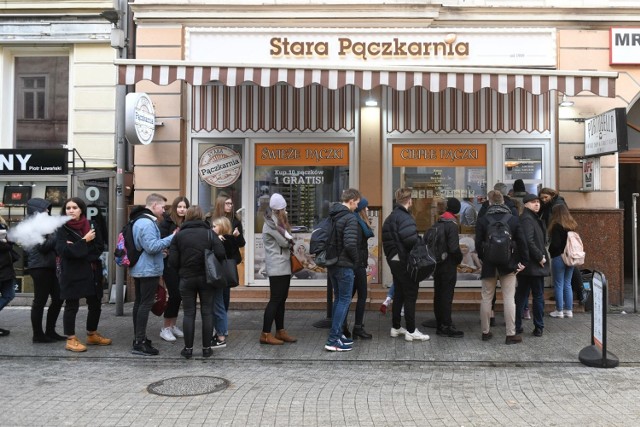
{"points": [[565, 102]]}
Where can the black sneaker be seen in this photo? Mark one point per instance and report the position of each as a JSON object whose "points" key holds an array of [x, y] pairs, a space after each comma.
{"points": [[218, 344], [144, 348], [187, 353], [537, 332], [449, 331]]}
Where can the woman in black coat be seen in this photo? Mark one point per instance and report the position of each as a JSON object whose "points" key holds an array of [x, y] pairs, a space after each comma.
{"points": [[186, 254], [79, 247], [7, 273]]}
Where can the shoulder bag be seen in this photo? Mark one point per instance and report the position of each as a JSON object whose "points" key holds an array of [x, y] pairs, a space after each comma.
{"points": [[213, 269]]}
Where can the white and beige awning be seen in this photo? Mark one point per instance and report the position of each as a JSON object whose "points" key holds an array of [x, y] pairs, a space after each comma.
{"points": [[468, 80]]}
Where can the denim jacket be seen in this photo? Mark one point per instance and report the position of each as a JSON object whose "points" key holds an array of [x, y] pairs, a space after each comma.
{"points": [[147, 237]]}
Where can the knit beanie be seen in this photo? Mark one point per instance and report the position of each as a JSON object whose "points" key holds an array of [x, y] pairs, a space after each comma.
{"points": [[277, 202], [362, 204], [518, 186], [453, 205]]}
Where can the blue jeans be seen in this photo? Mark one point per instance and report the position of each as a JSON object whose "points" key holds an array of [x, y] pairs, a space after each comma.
{"points": [[562, 284], [8, 291], [342, 281], [536, 285], [220, 321]]}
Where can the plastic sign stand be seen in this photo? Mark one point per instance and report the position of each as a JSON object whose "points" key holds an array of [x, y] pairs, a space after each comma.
{"points": [[596, 354]]}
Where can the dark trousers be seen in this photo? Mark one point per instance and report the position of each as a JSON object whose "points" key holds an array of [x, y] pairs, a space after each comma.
{"points": [[145, 297], [190, 289], [360, 287], [279, 291], [445, 278], [406, 294], [71, 307], [226, 297], [172, 282], [45, 284], [536, 285]]}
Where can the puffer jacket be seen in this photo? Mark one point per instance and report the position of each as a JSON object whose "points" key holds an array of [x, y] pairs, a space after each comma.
{"points": [[277, 252], [186, 253], [6, 261], [146, 236], [44, 254], [399, 234], [535, 233], [363, 243], [346, 228]]}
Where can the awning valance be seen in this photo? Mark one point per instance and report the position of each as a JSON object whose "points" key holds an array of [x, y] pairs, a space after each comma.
{"points": [[433, 79]]}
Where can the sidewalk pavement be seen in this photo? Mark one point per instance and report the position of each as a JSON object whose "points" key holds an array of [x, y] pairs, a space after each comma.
{"points": [[562, 340]]}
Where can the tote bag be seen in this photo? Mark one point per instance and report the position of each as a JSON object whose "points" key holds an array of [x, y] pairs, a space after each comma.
{"points": [[214, 271]]}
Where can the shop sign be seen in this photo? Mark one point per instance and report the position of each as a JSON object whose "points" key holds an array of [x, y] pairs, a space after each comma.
{"points": [[439, 155], [624, 46], [301, 154], [220, 166], [606, 133], [333, 47], [140, 119], [34, 162]]}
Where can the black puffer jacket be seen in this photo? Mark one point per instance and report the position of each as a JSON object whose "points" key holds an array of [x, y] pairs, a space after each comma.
{"points": [[6, 261], [346, 235], [44, 254], [452, 237], [399, 234], [535, 233], [186, 253]]}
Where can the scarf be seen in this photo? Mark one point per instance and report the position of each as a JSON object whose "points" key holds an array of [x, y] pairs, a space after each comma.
{"points": [[448, 216], [80, 226], [368, 233]]}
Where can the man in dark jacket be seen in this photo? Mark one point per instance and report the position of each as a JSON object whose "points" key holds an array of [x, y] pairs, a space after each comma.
{"points": [[446, 273], [506, 273], [532, 277], [508, 202], [399, 235], [342, 273]]}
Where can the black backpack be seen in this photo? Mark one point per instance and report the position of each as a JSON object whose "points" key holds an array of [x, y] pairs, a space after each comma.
{"points": [[498, 245], [427, 253], [323, 243], [126, 253]]}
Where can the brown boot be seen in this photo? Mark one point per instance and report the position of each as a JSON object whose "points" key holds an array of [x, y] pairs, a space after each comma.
{"points": [[267, 338], [282, 334]]}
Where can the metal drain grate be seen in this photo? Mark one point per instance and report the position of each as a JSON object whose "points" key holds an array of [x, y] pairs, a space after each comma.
{"points": [[188, 386]]}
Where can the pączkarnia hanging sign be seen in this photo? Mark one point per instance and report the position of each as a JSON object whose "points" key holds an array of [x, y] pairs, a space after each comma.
{"points": [[606, 133], [220, 166]]}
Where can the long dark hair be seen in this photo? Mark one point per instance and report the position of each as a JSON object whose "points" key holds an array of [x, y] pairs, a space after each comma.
{"points": [[218, 208], [178, 220], [78, 201]]}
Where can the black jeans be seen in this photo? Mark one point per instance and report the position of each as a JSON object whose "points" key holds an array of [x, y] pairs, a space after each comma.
{"points": [[190, 288], [145, 297], [172, 282], [279, 290], [71, 307], [445, 278], [406, 294], [360, 286], [45, 284]]}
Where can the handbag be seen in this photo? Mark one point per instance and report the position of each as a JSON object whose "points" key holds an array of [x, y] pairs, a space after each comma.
{"points": [[230, 269], [213, 269], [296, 265], [160, 304]]}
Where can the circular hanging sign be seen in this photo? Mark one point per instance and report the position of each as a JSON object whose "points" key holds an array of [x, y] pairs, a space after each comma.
{"points": [[220, 166], [140, 119]]}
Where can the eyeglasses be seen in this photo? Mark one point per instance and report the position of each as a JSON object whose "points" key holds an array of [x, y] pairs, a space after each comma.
{"points": [[228, 203]]}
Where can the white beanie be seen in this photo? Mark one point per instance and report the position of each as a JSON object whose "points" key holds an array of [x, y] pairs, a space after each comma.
{"points": [[277, 202]]}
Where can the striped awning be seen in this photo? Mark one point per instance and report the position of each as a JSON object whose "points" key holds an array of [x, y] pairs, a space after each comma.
{"points": [[502, 81]]}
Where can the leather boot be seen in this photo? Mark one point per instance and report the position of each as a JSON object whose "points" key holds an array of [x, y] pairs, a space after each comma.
{"points": [[282, 334], [267, 338], [345, 330], [359, 332]]}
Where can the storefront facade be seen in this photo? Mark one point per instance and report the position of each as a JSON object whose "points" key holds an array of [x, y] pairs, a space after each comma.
{"points": [[254, 109]]}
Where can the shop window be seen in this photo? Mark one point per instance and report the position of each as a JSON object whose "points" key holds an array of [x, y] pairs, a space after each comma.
{"points": [[219, 169], [524, 163], [41, 101], [310, 177]]}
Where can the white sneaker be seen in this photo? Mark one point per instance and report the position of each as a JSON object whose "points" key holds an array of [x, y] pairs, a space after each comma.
{"points": [[557, 314], [177, 332], [397, 332], [416, 335], [166, 335], [568, 313]]}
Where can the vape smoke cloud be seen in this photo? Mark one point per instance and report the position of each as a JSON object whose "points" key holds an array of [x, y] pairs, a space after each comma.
{"points": [[32, 230]]}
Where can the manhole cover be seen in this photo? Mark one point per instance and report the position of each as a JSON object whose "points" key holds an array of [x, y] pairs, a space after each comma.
{"points": [[188, 386]]}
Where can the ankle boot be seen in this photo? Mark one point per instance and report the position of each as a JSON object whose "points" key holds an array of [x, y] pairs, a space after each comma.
{"points": [[267, 338], [55, 336], [282, 335], [41, 338], [345, 330], [359, 332]]}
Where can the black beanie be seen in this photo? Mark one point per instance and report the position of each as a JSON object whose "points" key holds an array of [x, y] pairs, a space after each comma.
{"points": [[518, 186], [453, 205]]}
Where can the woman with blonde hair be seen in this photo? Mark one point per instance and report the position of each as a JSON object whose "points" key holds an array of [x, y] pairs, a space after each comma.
{"points": [[560, 224]]}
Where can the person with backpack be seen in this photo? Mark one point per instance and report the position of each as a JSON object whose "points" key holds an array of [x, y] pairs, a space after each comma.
{"points": [[446, 272], [502, 249], [172, 221], [78, 246], [149, 267], [345, 244], [508, 202], [399, 236], [531, 279], [561, 222]]}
